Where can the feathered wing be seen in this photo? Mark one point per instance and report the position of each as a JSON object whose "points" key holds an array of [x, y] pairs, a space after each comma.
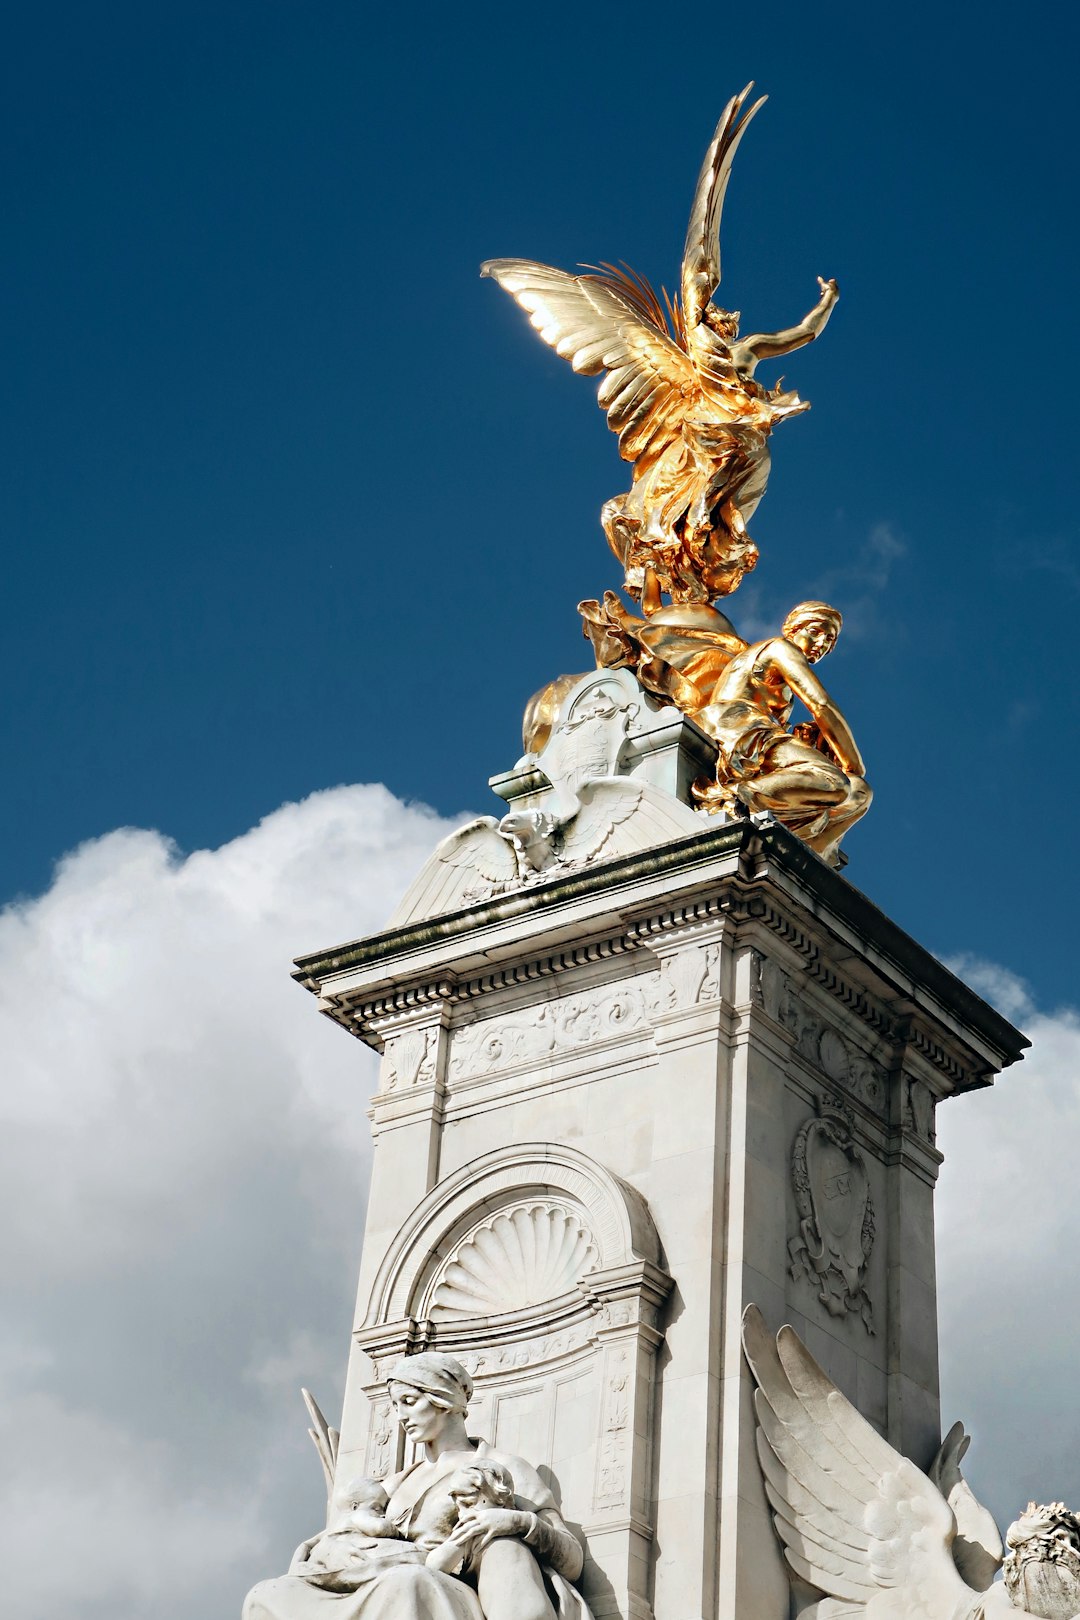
{"points": [[479, 847], [604, 805], [858, 1521], [701, 255], [651, 383], [471, 864]]}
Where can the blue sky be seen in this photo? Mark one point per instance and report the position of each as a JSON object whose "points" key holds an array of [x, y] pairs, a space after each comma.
{"points": [[294, 502], [293, 498]]}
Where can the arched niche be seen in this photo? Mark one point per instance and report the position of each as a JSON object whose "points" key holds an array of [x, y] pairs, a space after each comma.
{"points": [[541, 1272]]}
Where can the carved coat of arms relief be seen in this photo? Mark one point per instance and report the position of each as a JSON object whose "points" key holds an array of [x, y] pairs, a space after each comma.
{"points": [[835, 1212]]}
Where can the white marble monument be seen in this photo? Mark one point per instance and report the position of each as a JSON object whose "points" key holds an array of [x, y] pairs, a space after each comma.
{"points": [[640, 1069]]}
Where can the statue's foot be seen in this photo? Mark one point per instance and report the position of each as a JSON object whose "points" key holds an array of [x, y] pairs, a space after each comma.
{"points": [[716, 797]]}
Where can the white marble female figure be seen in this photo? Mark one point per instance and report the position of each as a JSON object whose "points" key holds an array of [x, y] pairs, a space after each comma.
{"points": [[518, 1562]]}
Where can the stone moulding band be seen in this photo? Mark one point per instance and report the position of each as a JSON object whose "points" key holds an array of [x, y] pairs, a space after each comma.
{"points": [[365, 1018], [374, 1020], [397, 984], [681, 853]]}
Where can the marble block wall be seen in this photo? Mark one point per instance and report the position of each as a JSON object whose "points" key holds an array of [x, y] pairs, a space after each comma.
{"points": [[613, 1109]]}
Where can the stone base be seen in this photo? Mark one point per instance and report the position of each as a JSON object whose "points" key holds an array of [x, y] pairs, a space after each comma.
{"points": [[617, 1106]]}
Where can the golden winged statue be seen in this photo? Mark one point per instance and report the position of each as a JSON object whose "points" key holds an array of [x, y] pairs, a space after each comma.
{"points": [[679, 391]]}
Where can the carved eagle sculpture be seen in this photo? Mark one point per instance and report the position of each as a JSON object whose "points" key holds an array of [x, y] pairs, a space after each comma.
{"points": [[869, 1530], [528, 844], [679, 392]]}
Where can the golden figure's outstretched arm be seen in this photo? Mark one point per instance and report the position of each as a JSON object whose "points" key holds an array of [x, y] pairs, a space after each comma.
{"points": [[701, 254], [748, 351], [651, 383]]}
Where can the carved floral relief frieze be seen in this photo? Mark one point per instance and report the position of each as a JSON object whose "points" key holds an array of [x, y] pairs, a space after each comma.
{"points": [[518, 1354], [555, 1026], [514, 1355], [835, 1236], [613, 1454], [380, 1458], [684, 979]]}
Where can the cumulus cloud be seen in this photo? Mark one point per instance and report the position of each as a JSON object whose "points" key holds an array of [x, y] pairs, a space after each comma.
{"points": [[1007, 1221], [184, 1165]]}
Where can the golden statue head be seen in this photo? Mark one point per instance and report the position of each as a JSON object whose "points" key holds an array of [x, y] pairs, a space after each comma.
{"points": [[813, 627], [723, 322]]}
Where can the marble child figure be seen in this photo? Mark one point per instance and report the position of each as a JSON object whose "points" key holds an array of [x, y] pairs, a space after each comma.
{"points": [[357, 1533], [465, 1533], [478, 1484]]}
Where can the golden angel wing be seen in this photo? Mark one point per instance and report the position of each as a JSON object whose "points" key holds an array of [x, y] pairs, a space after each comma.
{"points": [[651, 382], [701, 255]]}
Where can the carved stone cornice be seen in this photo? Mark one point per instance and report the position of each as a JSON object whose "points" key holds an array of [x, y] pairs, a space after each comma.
{"points": [[682, 854], [371, 1020], [729, 876]]}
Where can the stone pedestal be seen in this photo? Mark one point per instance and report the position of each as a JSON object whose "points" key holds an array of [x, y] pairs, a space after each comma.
{"points": [[615, 1106]]}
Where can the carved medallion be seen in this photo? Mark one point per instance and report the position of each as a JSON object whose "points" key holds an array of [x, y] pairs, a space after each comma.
{"points": [[589, 738], [836, 1214]]}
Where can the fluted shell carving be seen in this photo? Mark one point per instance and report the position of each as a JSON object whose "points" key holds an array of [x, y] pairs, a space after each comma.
{"points": [[522, 1256]]}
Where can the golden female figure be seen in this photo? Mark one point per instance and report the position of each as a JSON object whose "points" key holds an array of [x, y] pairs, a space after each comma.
{"points": [[680, 392]]}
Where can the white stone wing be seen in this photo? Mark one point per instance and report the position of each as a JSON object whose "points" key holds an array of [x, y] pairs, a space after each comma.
{"points": [[325, 1438], [471, 864], [479, 847], [605, 805], [630, 816], [858, 1521], [606, 322], [701, 255]]}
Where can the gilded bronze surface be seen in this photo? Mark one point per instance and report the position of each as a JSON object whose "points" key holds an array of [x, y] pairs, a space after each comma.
{"points": [[810, 775], [680, 392]]}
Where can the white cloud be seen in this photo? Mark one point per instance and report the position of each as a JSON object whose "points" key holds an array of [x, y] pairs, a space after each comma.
{"points": [[1008, 1213], [183, 1167], [183, 1164]]}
